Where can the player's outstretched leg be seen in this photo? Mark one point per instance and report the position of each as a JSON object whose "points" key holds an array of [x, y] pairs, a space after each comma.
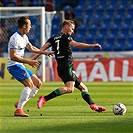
{"points": [[97, 108], [41, 102], [42, 99], [93, 106]]}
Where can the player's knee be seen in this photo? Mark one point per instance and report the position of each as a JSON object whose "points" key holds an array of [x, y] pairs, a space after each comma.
{"points": [[30, 85], [70, 90], [38, 83]]}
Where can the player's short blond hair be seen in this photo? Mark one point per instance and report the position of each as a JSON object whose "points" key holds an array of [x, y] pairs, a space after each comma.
{"points": [[68, 22]]}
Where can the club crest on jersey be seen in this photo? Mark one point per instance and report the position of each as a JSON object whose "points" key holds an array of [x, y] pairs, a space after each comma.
{"points": [[24, 73], [69, 38]]}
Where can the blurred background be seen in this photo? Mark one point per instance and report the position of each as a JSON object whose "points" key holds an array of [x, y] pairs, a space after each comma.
{"points": [[107, 22]]}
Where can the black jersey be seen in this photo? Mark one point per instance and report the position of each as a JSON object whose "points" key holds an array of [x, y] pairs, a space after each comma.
{"points": [[63, 54], [63, 51]]}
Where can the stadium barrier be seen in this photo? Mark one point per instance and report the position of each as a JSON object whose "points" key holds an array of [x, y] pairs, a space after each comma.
{"points": [[112, 69], [6, 76]]}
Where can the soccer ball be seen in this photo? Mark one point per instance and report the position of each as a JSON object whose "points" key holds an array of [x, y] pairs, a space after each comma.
{"points": [[119, 109]]}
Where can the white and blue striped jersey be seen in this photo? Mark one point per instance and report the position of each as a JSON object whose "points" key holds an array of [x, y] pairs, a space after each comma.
{"points": [[18, 43]]}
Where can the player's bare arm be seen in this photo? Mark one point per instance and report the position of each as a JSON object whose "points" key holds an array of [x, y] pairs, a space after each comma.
{"points": [[43, 48], [84, 45], [15, 57], [31, 48]]}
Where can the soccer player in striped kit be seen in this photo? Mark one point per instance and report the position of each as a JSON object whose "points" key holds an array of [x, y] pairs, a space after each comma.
{"points": [[17, 44]]}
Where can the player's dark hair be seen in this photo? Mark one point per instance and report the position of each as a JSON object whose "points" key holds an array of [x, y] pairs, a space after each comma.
{"points": [[68, 22], [22, 21]]}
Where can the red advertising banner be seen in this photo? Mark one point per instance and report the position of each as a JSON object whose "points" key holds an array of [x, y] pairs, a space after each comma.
{"points": [[113, 69]]}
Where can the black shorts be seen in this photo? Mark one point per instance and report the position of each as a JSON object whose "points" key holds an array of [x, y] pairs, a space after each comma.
{"points": [[67, 73]]}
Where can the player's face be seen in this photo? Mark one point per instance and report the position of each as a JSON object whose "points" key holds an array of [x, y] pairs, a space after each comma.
{"points": [[28, 26], [70, 29]]}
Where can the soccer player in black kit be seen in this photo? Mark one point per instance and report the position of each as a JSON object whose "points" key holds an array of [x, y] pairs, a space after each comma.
{"points": [[61, 44]]}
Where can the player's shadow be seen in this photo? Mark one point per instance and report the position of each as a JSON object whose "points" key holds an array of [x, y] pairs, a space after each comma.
{"points": [[118, 125]]}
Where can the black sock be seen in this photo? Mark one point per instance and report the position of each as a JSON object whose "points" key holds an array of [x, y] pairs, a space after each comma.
{"points": [[87, 98], [53, 94]]}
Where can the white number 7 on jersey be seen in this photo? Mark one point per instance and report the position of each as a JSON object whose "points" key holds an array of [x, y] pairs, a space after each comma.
{"points": [[57, 41]]}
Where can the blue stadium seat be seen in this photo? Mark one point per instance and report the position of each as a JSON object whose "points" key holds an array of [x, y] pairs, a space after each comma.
{"points": [[79, 38], [102, 2], [118, 20], [79, 10], [67, 7], [82, 2], [55, 29], [92, 2], [34, 27], [121, 39], [125, 29], [5, 47], [89, 10], [100, 10], [35, 3], [100, 39], [130, 9], [82, 29], [96, 19], [67, 2], [86, 49], [121, 10], [13, 28], [107, 47], [81, 21], [110, 39], [34, 19], [76, 49], [110, 10], [128, 19], [92, 29], [128, 47], [87, 19], [103, 29], [114, 2], [124, 2], [89, 39], [96, 49], [56, 20], [107, 20], [118, 47], [114, 29], [130, 38], [33, 40], [57, 3]]}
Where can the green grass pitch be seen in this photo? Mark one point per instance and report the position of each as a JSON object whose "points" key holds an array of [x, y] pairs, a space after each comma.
{"points": [[67, 113]]}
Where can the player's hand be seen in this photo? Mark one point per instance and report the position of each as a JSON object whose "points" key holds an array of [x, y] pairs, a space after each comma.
{"points": [[49, 53], [34, 63], [97, 45]]}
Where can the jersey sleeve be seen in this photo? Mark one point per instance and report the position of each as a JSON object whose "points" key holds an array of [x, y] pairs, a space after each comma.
{"points": [[13, 43], [50, 40]]}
